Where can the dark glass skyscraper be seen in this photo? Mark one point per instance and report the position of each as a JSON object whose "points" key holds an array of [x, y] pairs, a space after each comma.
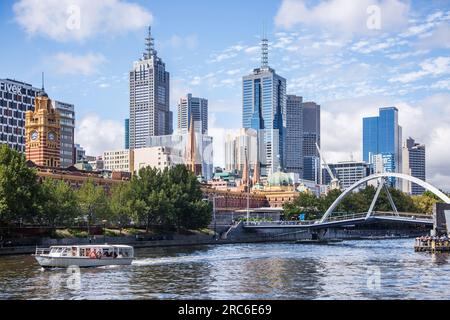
{"points": [[127, 134], [294, 135], [311, 136]]}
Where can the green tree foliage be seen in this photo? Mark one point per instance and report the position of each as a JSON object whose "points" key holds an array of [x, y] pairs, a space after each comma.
{"points": [[59, 205], [171, 198], [93, 202], [19, 188], [120, 205]]}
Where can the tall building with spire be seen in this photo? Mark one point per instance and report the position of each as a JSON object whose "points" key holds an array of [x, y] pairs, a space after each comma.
{"points": [[264, 110], [150, 113]]}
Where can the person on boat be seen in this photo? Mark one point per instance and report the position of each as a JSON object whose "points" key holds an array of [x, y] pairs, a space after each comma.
{"points": [[93, 255]]}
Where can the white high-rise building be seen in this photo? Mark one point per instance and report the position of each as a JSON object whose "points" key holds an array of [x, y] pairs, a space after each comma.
{"points": [[150, 113]]}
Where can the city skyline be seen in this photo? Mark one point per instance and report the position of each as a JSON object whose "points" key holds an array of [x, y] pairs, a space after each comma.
{"points": [[409, 71]]}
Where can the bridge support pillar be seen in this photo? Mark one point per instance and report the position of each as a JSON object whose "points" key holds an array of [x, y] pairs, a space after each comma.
{"points": [[319, 234]]}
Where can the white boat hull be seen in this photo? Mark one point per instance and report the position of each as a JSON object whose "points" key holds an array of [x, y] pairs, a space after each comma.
{"points": [[46, 261]]}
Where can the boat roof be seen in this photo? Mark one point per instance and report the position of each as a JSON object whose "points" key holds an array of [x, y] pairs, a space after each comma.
{"points": [[103, 246]]}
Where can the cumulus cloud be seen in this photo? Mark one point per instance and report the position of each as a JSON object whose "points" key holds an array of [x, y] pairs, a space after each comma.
{"points": [[342, 16], [68, 63], [96, 134], [430, 67], [66, 20]]}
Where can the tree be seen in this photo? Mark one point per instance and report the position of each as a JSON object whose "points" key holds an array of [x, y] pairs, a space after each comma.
{"points": [[121, 205], [59, 203], [92, 201], [306, 203], [19, 188]]}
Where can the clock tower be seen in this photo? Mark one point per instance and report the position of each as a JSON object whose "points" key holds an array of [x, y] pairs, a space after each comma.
{"points": [[42, 132]]}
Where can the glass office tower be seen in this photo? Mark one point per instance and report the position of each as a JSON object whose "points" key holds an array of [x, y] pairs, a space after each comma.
{"points": [[382, 136], [264, 110]]}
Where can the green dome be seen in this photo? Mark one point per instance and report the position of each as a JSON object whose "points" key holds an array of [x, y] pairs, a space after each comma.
{"points": [[280, 179]]}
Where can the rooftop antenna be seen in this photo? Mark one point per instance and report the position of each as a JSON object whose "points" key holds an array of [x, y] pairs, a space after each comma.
{"points": [[149, 45], [264, 49], [43, 87]]}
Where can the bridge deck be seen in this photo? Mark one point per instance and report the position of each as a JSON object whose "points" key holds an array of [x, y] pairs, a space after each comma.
{"points": [[353, 219]]}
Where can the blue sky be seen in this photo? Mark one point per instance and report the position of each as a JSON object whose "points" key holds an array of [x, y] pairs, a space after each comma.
{"points": [[325, 49]]}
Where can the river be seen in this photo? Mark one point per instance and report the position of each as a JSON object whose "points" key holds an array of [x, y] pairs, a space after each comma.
{"points": [[388, 269]]}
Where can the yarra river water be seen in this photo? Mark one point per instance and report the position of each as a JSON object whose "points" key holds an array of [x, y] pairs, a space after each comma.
{"points": [[387, 269]]}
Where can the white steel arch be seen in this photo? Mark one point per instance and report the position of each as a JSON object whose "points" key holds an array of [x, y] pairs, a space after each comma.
{"points": [[421, 183]]}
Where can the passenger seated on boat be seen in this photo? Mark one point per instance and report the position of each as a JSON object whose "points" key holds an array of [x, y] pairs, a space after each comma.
{"points": [[93, 255], [115, 255]]}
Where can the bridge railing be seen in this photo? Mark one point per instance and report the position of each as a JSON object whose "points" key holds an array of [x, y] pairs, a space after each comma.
{"points": [[403, 214]]}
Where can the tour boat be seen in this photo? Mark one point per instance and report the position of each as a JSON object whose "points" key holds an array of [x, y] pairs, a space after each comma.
{"points": [[84, 256]]}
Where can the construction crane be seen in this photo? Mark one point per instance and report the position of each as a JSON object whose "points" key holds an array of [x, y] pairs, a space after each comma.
{"points": [[334, 185]]}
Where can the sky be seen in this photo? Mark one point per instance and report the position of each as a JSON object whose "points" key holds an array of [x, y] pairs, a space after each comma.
{"points": [[351, 57]]}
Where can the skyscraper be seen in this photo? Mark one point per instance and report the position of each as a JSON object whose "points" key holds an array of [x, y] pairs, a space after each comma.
{"points": [[67, 113], [264, 110], [414, 164], [382, 138], [189, 108], [311, 136], [127, 134], [150, 113], [294, 135], [16, 98]]}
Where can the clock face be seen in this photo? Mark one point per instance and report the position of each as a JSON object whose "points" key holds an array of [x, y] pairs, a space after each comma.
{"points": [[34, 135], [51, 136]]}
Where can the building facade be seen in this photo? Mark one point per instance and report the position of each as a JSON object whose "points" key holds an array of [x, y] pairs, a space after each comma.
{"points": [[240, 147], [189, 108], [347, 172], [43, 133], [150, 113], [311, 137], [16, 98], [382, 142], [264, 110], [155, 157], [186, 149], [118, 160], [67, 113], [414, 164], [294, 135]]}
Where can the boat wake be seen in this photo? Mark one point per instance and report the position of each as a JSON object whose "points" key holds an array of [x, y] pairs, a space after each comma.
{"points": [[203, 259]]}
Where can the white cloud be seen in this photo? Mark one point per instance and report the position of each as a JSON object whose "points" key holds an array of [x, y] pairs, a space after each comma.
{"points": [[438, 38], [430, 67], [65, 20], [342, 16], [68, 63], [96, 135], [187, 42]]}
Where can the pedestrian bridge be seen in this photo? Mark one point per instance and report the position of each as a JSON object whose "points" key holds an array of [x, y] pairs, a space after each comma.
{"points": [[346, 220], [371, 216]]}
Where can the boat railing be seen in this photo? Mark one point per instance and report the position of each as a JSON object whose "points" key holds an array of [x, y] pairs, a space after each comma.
{"points": [[40, 251]]}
